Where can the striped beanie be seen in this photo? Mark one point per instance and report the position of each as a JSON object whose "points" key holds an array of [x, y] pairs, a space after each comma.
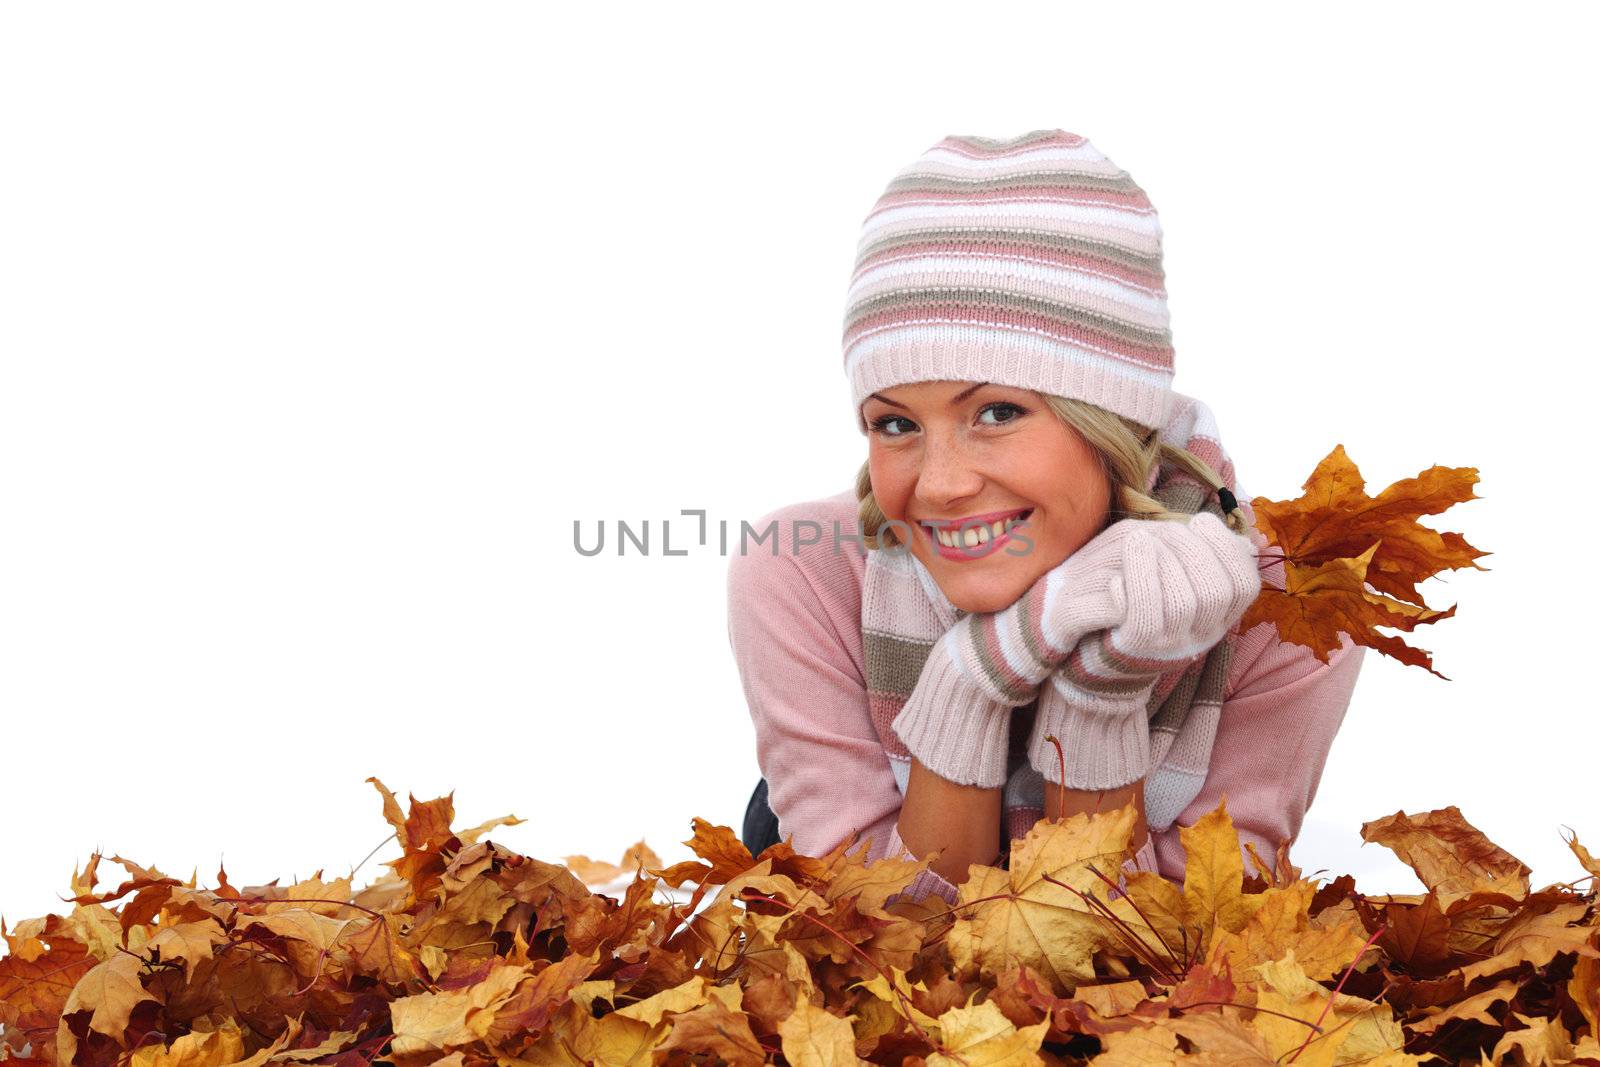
{"points": [[1032, 261]]}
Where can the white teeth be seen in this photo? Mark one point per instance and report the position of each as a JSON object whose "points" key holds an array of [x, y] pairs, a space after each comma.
{"points": [[974, 536]]}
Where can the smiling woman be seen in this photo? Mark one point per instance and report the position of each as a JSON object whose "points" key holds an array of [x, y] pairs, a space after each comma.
{"points": [[1053, 548], [948, 459]]}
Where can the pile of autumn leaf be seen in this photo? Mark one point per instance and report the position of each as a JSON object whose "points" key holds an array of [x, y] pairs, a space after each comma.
{"points": [[469, 954]]}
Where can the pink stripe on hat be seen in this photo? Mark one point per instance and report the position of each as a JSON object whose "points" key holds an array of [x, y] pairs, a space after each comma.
{"points": [[1068, 296]]}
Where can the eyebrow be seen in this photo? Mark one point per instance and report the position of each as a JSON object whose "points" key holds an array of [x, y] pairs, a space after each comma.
{"points": [[958, 398]]}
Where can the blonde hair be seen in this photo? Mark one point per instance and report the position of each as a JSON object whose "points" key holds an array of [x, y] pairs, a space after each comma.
{"points": [[1128, 452]]}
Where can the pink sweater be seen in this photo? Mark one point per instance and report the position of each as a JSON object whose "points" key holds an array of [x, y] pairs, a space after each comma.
{"points": [[794, 623]]}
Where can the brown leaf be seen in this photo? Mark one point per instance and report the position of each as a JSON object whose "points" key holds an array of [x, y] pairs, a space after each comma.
{"points": [[1335, 540], [716, 1029], [1450, 855], [1112, 998], [109, 989], [594, 872], [1589, 863], [1417, 936], [726, 855], [1536, 938], [376, 950], [479, 957], [1584, 986]]}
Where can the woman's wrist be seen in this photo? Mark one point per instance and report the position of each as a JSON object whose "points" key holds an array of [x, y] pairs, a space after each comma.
{"points": [[961, 821]]}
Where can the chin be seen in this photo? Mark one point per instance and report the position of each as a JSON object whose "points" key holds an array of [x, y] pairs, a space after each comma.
{"points": [[984, 596]]}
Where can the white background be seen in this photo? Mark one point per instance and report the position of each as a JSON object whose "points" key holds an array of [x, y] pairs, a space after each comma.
{"points": [[322, 323]]}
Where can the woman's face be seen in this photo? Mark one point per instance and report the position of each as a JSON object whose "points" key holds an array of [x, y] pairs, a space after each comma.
{"points": [[951, 453]]}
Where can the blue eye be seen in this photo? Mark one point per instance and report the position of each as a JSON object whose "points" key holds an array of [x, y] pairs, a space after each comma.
{"points": [[1002, 405], [882, 422]]}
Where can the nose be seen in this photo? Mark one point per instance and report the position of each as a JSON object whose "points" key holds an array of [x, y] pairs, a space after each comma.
{"points": [[948, 474]]}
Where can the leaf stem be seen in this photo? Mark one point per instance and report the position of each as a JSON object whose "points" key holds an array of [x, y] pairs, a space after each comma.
{"points": [[1342, 978]]}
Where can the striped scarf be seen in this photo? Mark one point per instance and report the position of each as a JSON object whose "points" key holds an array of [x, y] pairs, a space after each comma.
{"points": [[903, 612]]}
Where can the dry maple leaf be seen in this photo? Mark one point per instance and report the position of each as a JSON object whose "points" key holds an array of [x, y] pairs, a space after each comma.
{"points": [[1335, 541], [981, 1036], [597, 873], [1451, 856], [475, 956], [1036, 915], [815, 1037]]}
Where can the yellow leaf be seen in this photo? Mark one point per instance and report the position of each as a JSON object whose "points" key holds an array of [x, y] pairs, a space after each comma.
{"points": [[1474, 1007], [1535, 939], [1541, 1041], [1146, 1046], [1154, 909], [1353, 1031], [619, 1041], [190, 942], [1280, 923], [879, 987], [685, 996], [1213, 882], [981, 1036], [199, 1048], [814, 1037], [1039, 920], [429, 1021]]}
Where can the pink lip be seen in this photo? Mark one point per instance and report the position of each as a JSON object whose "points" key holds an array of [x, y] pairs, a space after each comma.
{"points": [[978, 551], [972, 520]]}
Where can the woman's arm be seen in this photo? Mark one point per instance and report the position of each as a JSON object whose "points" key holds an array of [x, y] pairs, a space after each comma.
{"points": [[826, 773], [1272, 743], [963, 820], [794, 627]]}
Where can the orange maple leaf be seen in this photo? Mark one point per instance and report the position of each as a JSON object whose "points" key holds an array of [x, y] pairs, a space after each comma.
{"points": [[1351, 562]]}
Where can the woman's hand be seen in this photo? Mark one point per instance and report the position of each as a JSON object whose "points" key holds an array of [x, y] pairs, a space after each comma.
{"points": [[957, 719], [1184, 586]]}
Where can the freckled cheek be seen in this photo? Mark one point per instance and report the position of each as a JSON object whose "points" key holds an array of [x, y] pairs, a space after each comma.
{"points": [[892, 482]]}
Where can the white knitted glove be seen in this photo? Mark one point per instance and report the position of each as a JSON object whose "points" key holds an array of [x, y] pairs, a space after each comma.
{"points": [[1185, 586], [958, 717]]}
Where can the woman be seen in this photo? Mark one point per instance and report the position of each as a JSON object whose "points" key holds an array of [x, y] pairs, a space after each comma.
{"points": [[1044, 542]]}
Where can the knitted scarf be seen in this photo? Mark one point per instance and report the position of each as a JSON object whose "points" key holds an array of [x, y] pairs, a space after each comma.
{"points": [[903, 611]]}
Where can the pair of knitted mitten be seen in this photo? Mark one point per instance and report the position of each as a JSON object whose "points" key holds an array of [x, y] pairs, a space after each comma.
{"points": [[1140, 598]]}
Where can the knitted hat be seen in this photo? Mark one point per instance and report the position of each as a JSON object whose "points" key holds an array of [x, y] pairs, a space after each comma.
{"points": [[1032, 261]]}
